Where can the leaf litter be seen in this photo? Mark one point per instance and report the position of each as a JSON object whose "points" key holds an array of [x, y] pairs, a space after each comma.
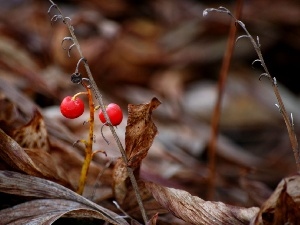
{"points": [[142, 54]]}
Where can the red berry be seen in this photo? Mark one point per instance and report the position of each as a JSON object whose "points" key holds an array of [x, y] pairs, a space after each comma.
{"points": [[114, 113], [72, 108]]}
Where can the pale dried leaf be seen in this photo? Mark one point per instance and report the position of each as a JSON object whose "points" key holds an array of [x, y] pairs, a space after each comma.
{"points": [[33, 134], [46, 211], [25, 185], [48, 166], [283, 205], [15, 156], [195, 210]]}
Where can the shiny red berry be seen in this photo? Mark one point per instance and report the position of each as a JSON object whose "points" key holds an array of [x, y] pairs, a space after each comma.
{"points": [[71, 108], [114, 113]]}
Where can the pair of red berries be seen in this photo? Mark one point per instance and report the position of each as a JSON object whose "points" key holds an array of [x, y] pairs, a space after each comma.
{"points": [[72, 108]]}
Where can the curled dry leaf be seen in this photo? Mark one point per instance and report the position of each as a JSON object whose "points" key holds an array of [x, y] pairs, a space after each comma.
{"points": [[55, 201], [40, 165], [195, 210], [140, 131], [48, 166], [14, 155], [139, 136], [46, 211], [283, 205], [33, 134]]}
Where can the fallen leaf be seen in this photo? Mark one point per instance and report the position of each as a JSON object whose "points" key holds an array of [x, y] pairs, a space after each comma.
{"points": [[140, 131], [46, 211], [56, 201], [16, 157], [48, 166], [283, 205], [139, 136], [195, 210], [33, 134]]}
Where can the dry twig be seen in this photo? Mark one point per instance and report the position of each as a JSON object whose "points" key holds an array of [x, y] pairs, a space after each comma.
{"points": [[217, 110], [256, 44]]}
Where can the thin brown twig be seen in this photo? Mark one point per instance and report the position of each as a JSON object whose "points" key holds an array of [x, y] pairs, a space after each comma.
{"points": [[217, 109], [99, 98], [288, 122]]}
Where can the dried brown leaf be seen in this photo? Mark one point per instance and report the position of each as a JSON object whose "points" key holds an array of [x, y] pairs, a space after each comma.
{"points": [[46, 211], [140, 131], [283, 205], [25, 185], [139, 136], [195, 210], [33, 134], [14, 155], [47, 165], [41, 164]]}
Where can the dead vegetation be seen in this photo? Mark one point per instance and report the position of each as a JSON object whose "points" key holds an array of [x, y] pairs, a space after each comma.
{"points": [[142, 54]]}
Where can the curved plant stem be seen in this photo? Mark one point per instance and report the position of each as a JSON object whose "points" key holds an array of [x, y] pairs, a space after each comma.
{"points": [[217, 110], [88, 145], [99, 98], [288, 122]]}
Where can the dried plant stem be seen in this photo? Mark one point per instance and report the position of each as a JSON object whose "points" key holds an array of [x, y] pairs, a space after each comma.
{"points": [[88, 145], [288, 122], [289, 126], [217, 109], [99, 98]]}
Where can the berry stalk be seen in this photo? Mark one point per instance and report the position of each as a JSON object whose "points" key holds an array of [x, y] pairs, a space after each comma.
{"points": [[98, 97], [88, 144]]}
